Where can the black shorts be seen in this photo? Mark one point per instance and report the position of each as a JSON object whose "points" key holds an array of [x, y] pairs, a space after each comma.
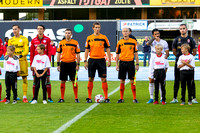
{"points": [[97, 64], [126, 67], [67, 69]]}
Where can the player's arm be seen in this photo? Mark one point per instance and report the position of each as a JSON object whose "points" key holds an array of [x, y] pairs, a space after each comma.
{"points": [[174, 51], [167, 54], [117, 62], [150, 41], [32, 53], [180, 63], [26, 47], [49, 49], [194, 47], [1, 48], [194, 52], [59, 50], [86, 56], [78, 61], [174, 47], [137, 61], [109, 56], [36, 73]]}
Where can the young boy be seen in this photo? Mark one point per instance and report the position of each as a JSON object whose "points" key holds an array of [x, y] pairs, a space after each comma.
{"points": [[160, 65], [40, 66], [186, 63], [11, 65]]}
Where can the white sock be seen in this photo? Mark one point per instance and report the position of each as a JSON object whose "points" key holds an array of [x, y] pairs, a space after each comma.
{"points": [[160, 91], [151, 90]]}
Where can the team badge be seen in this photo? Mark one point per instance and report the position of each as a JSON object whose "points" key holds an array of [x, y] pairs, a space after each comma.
{"points": [[130, 47], [179, 39], [100, 44], [72, 49], [179, 47], [20, 40], [44, 41], [188, 40]]}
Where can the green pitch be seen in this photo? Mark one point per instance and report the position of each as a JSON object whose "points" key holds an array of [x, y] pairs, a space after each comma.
{"points": [[126, 117]]}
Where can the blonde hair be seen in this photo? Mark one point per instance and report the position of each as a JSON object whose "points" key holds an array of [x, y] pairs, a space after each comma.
{"points": [[11, 48], [159, 46], [186, 46]]}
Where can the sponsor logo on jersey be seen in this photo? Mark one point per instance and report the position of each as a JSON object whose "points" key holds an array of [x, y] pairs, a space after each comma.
{"points": [[188, 40], [179, 40], [159, 63], [44, 41], [39, 61], [20, 40], [10, 63]]}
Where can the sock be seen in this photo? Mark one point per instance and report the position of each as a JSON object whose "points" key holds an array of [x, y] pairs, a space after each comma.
{"points": [[151, 90], [105, 89], [122, 88], [49, 89], [160, 91], [90, 87], [33, 89], [25, 86], [62, 90], [133, 88], [0, 90], [75, 90]]}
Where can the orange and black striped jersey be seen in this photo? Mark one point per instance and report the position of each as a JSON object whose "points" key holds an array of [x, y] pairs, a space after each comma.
{"points": [[96, 44], [126, 49], [68, 50]]}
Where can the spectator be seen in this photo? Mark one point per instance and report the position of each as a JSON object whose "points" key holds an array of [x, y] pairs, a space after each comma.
{"points": [[146, 50], [53, 52]]}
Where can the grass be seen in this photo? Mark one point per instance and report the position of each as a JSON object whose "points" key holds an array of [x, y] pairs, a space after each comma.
{"points": [[106, 118]]}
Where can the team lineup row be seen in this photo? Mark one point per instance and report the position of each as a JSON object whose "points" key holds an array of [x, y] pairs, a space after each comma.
{"points": [[68, 61]]}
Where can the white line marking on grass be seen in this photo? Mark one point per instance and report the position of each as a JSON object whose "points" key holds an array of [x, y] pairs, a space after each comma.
{"points": [[79, 116]]}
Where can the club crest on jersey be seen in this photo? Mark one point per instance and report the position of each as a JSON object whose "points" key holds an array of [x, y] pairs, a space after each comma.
{"points": [[20, 40], [72, 49], [188, 40], [130, 47], [44, 41], [100, 44], [179, 47], [179, 40]]}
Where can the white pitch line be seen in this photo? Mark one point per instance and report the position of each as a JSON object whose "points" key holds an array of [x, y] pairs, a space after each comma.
{"points": [[79, 116]]}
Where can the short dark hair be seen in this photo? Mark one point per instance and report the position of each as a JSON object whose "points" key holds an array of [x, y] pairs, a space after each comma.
{"points": [[96, 23], [154, 30], [6, 38], [68, 30], [42, 26], [16, 25], [41, 46], [183, 25], [129, 29]]}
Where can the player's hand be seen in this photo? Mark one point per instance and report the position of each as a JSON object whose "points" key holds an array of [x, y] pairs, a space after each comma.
{"points": [[117, 68], [166, 57], [188, 61], [86, 65], [109, 63], [137, 67], [31, 68], [18, 74], [58, 68], [182, 61], [77, 67], [20, 56], [37, 75]]}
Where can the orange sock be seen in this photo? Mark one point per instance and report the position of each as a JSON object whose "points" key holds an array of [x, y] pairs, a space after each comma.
{"points": [[75, 90], [133, 88], [122, 88], [62, 90], [105, 89], [90, 87]]}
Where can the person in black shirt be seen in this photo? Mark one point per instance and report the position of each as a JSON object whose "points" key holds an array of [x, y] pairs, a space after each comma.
{"points": [[146, 51], [176, 47], [130, 35]]}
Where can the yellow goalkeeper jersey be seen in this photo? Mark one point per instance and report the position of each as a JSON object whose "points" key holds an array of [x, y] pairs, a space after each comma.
{"points": [[21, 46]]}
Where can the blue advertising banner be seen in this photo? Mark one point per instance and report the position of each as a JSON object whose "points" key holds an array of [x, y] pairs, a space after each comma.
{"points": [[55, 30]]}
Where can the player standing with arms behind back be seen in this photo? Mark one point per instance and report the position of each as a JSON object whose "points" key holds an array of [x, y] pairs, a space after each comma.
{"points": [[95, 44], [21, 50], [125, 52], [41, 39]]}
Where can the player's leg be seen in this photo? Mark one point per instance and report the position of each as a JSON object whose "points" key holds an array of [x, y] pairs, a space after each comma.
{"points": [[176, 83], [151, 84], [0, 90], [8, 88], [49, 86], [91, 74], [102, 72], [72, 75], [162, 83], [25, 86], [183, 76], [160, 89], [156, 83], [194, 100], [189, 86], [44, 87], [63, 78], [122, 76], [14, 87]]}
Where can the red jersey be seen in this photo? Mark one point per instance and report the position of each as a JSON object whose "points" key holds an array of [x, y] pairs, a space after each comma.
{"points": [[35, 42], [1, 48]]}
